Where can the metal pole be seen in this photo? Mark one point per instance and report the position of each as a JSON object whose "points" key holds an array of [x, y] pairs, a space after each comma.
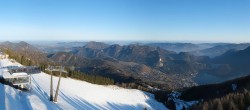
{"points": [[57, 89], [51, 85]]}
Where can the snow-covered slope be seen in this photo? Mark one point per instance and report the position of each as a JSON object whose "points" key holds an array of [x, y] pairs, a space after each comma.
{"points": [[74, 94]]}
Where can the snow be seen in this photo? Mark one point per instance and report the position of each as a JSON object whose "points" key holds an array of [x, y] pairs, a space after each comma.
{"points": [[74, 94], [180, 104], [19, 74], [234, 87]]}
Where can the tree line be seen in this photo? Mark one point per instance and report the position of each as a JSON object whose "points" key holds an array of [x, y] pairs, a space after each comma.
{"points": [[232, 101]]}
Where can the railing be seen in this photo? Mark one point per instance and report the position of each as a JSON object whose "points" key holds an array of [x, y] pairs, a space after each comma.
{"points": [[19, 80], [26, 69]]}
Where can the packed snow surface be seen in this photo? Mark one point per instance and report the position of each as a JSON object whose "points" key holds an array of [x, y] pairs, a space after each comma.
{"points": [[74, 94]]}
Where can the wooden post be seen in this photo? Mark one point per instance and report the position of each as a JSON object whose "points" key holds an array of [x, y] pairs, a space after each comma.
{"points": [[57, 89], [51, 85]]}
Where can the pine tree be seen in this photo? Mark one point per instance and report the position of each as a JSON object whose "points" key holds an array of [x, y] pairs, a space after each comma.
{"points": [[218, 105], [205, 106], [232, 106]]}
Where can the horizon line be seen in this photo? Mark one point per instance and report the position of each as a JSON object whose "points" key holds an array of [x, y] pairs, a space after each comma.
{"points": [[130, 41]]}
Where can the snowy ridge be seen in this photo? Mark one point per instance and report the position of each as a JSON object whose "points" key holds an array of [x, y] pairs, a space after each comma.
{"points": [[74, 94]]}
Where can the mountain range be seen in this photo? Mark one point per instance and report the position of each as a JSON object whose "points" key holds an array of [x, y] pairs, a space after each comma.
{"points": [[141, 63], [153, 67]]}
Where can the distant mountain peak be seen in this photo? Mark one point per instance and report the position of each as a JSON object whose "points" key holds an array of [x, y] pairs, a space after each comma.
{"points": [[96, 45], [7, 43], [23, 43]]}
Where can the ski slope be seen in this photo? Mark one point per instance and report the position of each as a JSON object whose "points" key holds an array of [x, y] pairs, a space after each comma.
{"points": [[74, 94]]}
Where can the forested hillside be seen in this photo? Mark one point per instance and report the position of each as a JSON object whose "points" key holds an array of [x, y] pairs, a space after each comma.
{"points": [[27, 56]]}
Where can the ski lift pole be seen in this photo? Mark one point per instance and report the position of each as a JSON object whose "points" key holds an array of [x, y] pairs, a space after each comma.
{"points": [[51, 84], [58, 85]]}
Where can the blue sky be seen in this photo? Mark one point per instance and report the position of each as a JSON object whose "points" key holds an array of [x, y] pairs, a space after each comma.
{"points": [[136, 20]]}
